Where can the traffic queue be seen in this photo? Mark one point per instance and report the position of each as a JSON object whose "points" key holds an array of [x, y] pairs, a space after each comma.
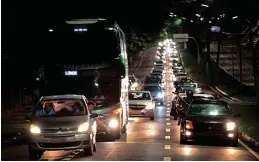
{"points": [[199, 114]]}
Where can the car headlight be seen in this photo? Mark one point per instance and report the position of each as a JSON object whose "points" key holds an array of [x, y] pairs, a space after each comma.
{"points": [[174, 79], [83, 127], [113, 123], [230, 126], [149, 105], [160, 95], [34, 129]]}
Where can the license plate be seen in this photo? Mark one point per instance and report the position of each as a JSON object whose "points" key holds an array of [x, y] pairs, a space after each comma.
{"points": [[58, 140], [135, 111]]}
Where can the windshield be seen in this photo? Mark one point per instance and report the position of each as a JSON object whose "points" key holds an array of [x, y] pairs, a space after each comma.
{"points": [[189, 85], [139, 96], [101, 86], [152, 88], [200, 97], [60, 108], [210, 109], [152, 81]]}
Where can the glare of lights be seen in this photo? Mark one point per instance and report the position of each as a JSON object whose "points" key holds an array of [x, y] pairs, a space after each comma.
{"points": [[201, 18], [218, 18], [203, 5], [235, 17], [171, 15], [96, 84], [175, 15], [50, 30], [187, 151], [212, 18], [191, 20], [213, 113], [173, 43], [198, 15], [210, 22]]}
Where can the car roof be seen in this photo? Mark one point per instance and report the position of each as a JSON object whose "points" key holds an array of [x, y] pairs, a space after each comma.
{"points": [[139, 91], [209, 102], [200, 95], [66, 96]]}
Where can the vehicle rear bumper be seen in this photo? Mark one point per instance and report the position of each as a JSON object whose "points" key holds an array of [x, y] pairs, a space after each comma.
{"points": [[143, 113]]}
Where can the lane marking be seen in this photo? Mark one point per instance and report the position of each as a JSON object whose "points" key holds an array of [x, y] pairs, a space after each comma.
{"points": [[167, 137], [168, 111], [168, 123], [167, 147], [249, 149], [167, 130], [167, 114], [167, 119], [168, 108], [168, 105], [167, 158]]}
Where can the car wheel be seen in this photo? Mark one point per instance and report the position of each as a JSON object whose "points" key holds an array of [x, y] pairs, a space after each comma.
{"points": [[182, 140], [234, 142], [152, 118], [89, 151], [34, 154]]}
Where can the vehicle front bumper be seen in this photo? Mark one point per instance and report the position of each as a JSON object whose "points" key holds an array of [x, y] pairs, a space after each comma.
{"points": [[45, 142], [219, 134]]}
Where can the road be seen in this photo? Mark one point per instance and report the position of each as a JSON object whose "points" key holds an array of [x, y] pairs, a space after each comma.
{"points": [[156, 140]]}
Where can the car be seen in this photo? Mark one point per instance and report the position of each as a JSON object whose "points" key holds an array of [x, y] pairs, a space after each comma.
{"points": [[184, 87], [157, 93], [156, 81], [179, 76], [209, 118], [141, 104], [68, 125]]}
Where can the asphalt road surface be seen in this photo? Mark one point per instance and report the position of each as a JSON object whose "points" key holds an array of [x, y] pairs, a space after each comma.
{"points": [[156, 140]]}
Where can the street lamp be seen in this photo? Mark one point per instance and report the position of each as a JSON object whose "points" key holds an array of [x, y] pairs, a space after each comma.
{"points": [[235, 17], [203, 5]]}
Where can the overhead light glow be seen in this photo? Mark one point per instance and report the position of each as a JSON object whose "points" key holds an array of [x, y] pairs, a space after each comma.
{"points": [[235, 17], [204, 5], [50, 30], [198, 15]]}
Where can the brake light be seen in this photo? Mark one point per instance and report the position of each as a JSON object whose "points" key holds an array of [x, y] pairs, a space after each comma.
{"points": [[188, 125]]}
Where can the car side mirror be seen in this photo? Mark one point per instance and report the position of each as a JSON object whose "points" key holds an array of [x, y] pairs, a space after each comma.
{"points": [[94, 115], [237, 115]]}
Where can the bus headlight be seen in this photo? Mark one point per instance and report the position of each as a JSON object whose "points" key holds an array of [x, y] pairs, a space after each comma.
{"points": [[34, 129], [113, 123]]}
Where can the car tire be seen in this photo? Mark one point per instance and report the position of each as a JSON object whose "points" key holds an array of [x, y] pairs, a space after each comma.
{"points": [[89, 151], [182, 140], [34, 154], [234, 142], [152, 118]]}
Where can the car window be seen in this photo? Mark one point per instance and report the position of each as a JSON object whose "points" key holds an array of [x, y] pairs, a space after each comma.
{"points": [[209, 109], [139, 96], [60, 108]]}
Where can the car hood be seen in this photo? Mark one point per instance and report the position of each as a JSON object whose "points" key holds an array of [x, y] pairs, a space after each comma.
{"points": [[64, 123], [139, 102], [105, 109], [209, 119]]}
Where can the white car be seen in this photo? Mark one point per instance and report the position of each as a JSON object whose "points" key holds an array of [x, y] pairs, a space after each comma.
{"points": [[141, 104], [198, 96]]}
